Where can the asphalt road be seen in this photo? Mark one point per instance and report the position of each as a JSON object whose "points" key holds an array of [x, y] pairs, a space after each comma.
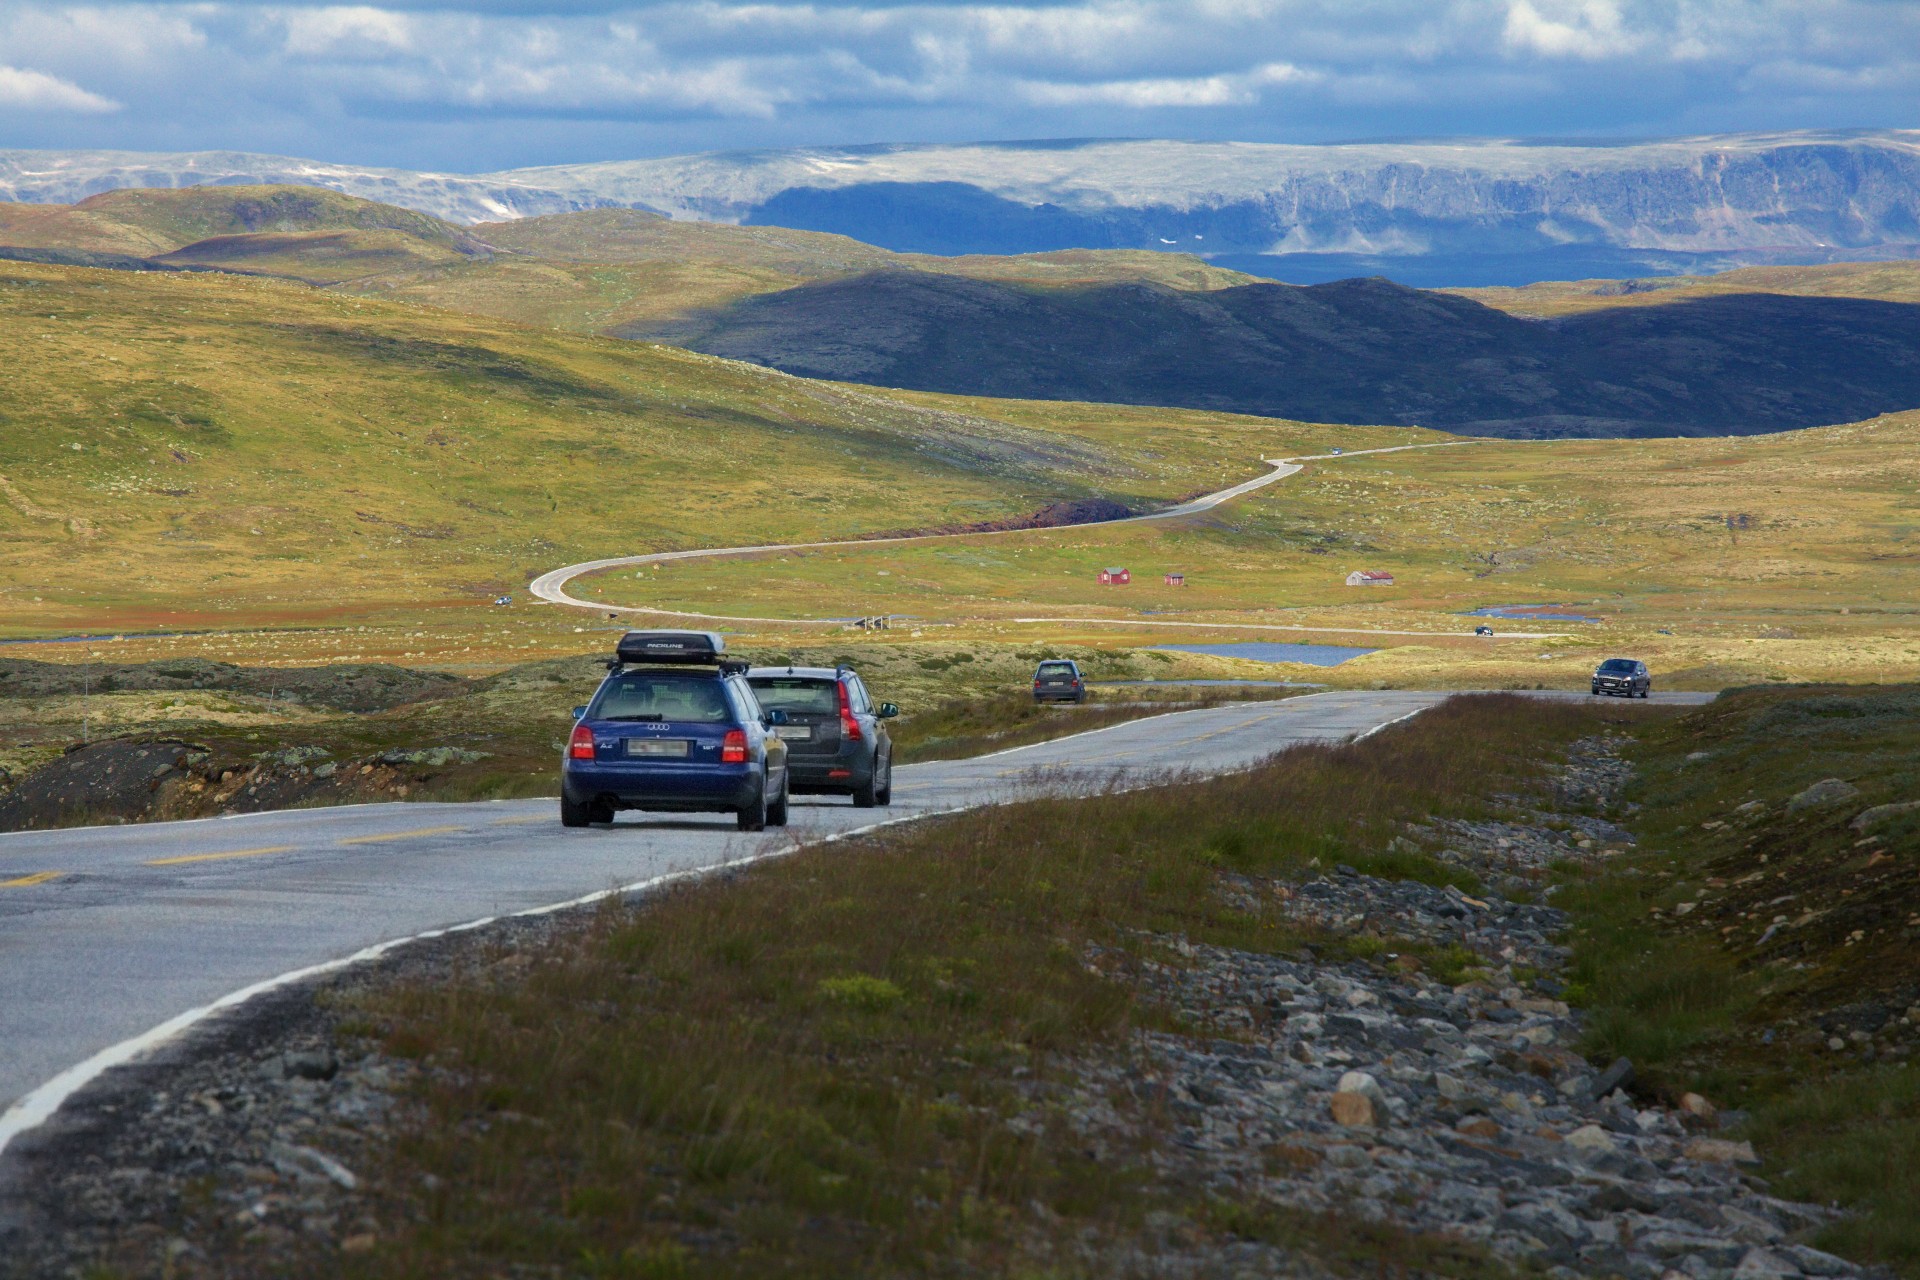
{"points": [[108, 934], [552, 586]]}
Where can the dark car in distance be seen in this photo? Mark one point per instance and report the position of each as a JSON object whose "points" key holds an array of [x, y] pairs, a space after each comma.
{"points": [[1059, 680], [674, 727], [835, 734], [1627, 677]]}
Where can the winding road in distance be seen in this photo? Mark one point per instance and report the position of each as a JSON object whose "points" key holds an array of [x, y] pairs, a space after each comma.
{"points": [[552, 587]]}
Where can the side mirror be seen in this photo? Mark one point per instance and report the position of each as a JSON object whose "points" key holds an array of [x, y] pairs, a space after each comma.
{"points": [[888, 711], [776, 716], [579, 713]]}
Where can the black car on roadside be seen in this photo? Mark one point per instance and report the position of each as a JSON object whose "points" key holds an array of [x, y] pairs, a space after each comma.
{"points": [[675, 727], [1059, 680], [835, 734], [1627, 677]]}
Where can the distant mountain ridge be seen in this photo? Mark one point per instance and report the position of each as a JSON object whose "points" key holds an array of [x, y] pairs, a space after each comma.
{"points": [[1775, 197], [1356, 351]]}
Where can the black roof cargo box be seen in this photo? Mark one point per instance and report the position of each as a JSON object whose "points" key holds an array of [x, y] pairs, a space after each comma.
{"points": [[682, 647]]}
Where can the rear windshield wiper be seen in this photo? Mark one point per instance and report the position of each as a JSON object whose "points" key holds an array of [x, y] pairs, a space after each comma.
{"points": [[623, 719]]}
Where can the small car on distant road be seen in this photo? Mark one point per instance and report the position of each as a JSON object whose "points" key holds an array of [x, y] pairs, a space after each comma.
{"points": [[835, 734], [675, 727], [1627, 677], [1059, 680]]}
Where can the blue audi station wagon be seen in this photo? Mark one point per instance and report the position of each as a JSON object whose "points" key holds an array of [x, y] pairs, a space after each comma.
{"points": [[675, 728]]}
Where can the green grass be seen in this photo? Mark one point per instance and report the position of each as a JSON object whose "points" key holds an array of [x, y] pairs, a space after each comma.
{"points": [[808, 1069], [1794, 921], [183, 449]]}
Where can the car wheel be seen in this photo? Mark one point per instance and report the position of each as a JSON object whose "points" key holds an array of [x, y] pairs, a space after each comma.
{"points": [[883, 795], [777, 811], [864, 795], [1596, 691], [575, 815], [753, 816]]}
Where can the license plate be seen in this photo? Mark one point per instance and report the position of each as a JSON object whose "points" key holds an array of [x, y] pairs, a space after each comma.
{"points": [[657, 748], [793, 732]]}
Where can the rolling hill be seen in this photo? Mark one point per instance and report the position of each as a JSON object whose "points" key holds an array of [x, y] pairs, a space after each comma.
{"points": [[198, 446], [1353, 351], [602, 270]]}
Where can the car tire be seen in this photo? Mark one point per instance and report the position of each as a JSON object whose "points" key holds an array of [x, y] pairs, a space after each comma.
{"points": [[883, 796], [753, 816], [864, 795], [777, 811], [1596, 691], [575, 815]]}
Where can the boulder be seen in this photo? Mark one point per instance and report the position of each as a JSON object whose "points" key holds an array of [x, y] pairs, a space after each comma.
{"points": [[1867, 819], [1826, 791]]}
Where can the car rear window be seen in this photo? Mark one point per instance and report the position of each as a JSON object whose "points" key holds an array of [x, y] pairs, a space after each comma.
{"points": [[1056, 669], [662, 695], [1620, 665], [806, 695]]}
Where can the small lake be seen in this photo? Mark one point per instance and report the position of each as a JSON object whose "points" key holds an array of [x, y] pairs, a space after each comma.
{"points": [[1526, 612], [1314, 655]]}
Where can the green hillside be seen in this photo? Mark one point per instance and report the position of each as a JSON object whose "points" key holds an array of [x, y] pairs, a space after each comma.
{"points": [[1883, 281], [620, 271], [154, 221], [200, 446], [597, 271]]}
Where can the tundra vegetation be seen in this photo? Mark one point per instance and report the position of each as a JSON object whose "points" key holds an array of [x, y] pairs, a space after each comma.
{"points": [[863, 1058]]}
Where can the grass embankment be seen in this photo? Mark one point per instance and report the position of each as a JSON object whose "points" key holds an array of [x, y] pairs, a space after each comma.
{"points": [[1764, 954], [838, 1063]]}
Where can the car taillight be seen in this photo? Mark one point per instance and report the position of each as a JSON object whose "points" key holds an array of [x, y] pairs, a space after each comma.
{"points": [[733, 748], [849, 727], [580, 747]]}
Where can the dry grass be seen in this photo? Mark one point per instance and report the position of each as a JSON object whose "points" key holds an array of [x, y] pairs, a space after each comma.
{"points": [[809, 1069], [1885, 281], [1795, 925]]}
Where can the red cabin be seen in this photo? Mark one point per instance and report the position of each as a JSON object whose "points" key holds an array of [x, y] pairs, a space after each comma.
{"points": [[1176, 579], [1115, 577]]}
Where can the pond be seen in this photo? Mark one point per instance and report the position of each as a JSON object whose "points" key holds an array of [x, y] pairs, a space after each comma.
{"points": [[1313, 655]]}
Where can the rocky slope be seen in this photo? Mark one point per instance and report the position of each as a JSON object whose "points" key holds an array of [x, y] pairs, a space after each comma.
{"points": [[1808, 192]]}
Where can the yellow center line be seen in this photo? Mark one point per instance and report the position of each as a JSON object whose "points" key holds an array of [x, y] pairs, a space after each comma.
{"points": [[518, 822], [402, 835], [218, 857], [38, 877]]}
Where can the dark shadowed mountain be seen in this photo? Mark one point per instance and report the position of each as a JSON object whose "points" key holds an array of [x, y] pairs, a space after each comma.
{"points": [[1357, 351]]}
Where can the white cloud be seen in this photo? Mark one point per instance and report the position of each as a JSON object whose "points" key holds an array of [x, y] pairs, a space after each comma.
{"points": [[1240, 89], [370, 78], [1589, 29], [347, 29], [23, 89]]}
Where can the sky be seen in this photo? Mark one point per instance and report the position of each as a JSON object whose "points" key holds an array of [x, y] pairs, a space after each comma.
{"points": [[480, 85]]}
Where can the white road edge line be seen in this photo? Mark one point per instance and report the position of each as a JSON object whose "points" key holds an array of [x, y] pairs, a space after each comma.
{"points": [[36, 1107], [1362, 737]]}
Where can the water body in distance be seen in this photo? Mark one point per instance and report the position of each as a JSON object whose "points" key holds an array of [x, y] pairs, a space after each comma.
{"points": [[1532, 612], [1313, 655]]}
